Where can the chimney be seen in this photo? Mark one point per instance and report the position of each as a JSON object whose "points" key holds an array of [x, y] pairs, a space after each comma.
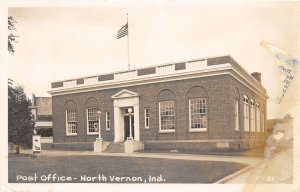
{"points": [[33, 99], [257, 76]]}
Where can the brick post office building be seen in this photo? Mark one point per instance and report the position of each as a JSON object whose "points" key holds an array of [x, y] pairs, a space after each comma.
{"points": [[200, 104]]}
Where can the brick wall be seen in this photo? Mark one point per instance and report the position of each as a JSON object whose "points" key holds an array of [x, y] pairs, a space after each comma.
{"points": [[256, 138], [219, 102]]}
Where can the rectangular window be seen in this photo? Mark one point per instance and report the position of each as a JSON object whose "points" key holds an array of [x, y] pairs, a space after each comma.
{"points": [[167, 116], [146, 118], [257, 118], [71, 122], [107, 121], [246, 116], [92, 121], [263, 122], [198, 114], [252, 108], [236, 115]]}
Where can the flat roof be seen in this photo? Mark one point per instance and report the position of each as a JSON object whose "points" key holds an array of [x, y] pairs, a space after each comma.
{"points": [[174, 69]]}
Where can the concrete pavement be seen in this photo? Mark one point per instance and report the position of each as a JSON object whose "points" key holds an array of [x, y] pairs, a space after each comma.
{"points": [[276, 170], [252, 161]]}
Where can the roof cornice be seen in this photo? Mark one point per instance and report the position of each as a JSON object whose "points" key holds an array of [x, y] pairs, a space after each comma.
{"points": [[221, 69]]}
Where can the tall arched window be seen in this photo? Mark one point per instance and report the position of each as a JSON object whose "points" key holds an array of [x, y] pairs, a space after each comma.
{"points": [[246, 113], [92, 117], [236, 114], [236, 110], [257, 117], [252, 115], [166, 107], [70, 108], [263, 118], [197, 101]]}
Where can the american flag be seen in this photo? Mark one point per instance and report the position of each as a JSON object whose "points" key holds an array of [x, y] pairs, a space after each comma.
{"points": [[123, 31]]}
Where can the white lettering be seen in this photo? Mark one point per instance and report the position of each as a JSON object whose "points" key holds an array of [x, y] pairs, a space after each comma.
{"points": [[125, 179], [156, 179], [26, 178], [98, 178], [44, 178]]}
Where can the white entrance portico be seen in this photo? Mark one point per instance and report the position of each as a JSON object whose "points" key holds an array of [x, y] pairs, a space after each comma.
{"points": [[123, 99]]}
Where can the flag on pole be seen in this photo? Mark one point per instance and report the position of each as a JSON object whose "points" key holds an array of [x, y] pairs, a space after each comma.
{"points": [[123, 31]]}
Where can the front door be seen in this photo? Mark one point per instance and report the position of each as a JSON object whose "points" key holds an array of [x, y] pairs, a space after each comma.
{"points": [[127, 126]]}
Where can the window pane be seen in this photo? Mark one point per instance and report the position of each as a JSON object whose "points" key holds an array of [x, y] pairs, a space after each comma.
{"points": [[146, 117], [167, 115], [198, 114], [93, 122], [71, 121], [107, 121]]}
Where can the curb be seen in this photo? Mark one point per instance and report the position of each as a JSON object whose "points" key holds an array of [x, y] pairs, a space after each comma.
{"points": [[233, 175]]}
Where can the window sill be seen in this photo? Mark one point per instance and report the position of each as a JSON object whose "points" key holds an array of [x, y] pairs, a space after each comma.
{"points": [[71, 134], [169, 131], [93, 133], [198, 130]]}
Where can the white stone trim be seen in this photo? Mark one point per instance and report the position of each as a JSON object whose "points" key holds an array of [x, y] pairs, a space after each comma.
{"points": [[69, 83], [196, 65], [146, 79], [125, 93], [167, 131], [259, 89], [137, 120], [91, 80], [165, 69], [120, 102], [125, 75], [177, 75], [198, 130]]}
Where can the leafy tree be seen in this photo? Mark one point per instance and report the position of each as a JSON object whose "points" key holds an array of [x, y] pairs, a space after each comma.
{"points": [[12, 37], [20, 122]]}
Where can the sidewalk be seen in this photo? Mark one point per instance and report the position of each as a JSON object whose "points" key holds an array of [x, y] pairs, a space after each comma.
{"points": [[252, 161], [276, 170]]}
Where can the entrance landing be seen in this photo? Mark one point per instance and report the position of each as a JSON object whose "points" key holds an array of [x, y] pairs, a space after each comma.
{"points": [[114, 147]]}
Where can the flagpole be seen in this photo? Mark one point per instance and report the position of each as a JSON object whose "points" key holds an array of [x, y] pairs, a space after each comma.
{"points": [[128, 43]]}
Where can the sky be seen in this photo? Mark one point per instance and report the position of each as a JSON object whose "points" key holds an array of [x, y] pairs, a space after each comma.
{"points": [[58, 43]]}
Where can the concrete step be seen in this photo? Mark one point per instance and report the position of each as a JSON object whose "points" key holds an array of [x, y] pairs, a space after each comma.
{"points": [[115, 148]]}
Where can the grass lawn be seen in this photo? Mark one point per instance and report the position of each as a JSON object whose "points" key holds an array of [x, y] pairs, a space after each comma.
{"points": [[256, 152], [117, 169]]}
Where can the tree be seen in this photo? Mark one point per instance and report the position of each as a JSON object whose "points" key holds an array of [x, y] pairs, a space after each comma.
{"points": [[20, 122], [12, 37]]}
